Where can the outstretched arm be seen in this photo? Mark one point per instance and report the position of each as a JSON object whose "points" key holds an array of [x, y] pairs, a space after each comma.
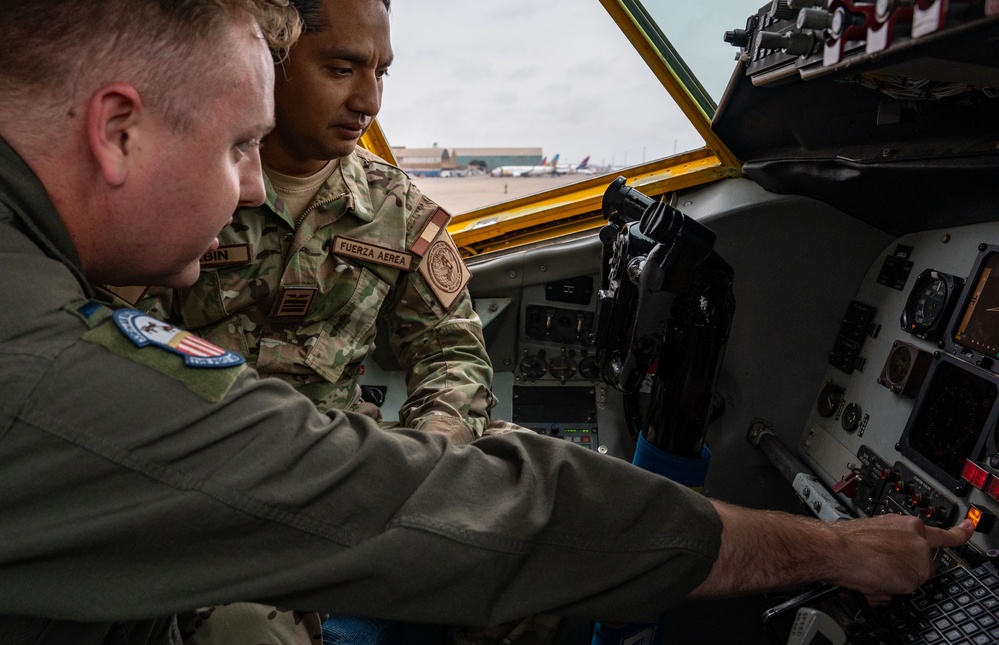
{"points": [[888, 554]]}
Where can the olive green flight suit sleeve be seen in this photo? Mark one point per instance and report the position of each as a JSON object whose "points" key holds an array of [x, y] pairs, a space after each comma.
{"points": [[128, 493]]}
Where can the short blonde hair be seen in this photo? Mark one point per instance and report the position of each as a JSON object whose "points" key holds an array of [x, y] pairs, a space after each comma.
{"points": [[54, 49]]}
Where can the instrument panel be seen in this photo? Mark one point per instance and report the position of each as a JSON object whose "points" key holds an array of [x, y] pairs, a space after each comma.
{"points": [[913, 427]]}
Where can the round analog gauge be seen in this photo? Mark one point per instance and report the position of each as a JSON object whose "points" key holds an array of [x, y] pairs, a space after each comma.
{"points": [[562, 367], [851, 417], [533, 367], [829, 399], [899, 364], [929, 304], [589, 368]]}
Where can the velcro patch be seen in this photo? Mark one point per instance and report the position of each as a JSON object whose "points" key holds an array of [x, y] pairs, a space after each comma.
{"points": [[444, 270], [227, 256], [430, 231], [372, 253], [295, 302], [144, 330]]}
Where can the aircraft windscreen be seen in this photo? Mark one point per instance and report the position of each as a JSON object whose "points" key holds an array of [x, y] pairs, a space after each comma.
{"points": [[542, 79], [696, 31]]}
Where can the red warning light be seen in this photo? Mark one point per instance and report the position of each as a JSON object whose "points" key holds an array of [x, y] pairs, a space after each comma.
{"points": [[974, 474], [993, 488]]}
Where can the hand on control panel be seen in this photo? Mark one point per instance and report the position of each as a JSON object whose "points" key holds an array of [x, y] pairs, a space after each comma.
{"points": [[892, 554], [879, 557]]}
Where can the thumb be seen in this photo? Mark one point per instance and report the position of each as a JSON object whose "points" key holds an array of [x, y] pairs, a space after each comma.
{"points": [[952, 537]]}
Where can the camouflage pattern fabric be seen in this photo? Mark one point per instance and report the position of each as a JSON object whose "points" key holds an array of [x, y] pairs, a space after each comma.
{"points": [[277, 293]]}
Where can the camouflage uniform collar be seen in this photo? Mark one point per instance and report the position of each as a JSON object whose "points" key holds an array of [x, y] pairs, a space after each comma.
{"points": [[353, 174], [348, 182]]}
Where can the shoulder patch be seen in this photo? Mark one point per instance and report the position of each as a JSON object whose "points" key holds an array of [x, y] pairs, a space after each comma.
{"points": [[144, 330], [430, 231], [444, 270]]}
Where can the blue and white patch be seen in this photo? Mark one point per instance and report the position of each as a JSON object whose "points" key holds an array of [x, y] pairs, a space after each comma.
{"points": [[145, 330]]}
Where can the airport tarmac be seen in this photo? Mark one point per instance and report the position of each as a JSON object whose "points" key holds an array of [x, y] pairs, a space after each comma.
{"points": [[462, 194]]}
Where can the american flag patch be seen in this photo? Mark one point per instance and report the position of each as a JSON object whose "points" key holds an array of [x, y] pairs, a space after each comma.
{"points": [[144, 330]]}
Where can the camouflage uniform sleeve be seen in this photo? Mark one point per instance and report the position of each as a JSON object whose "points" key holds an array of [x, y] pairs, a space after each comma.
{"points": [[440, 346], [448, 372]]}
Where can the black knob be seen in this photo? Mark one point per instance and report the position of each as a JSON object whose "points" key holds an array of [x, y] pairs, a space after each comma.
{"points": [[817, 19], [781, 10], [737, 38], [799, 43], [935, 513], [770, 40]]}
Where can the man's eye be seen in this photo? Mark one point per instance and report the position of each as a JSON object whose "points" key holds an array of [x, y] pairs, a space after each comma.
{"points": [[382, 73], [339, 71], [246, 146]]}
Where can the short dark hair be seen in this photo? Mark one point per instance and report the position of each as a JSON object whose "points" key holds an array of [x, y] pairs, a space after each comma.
{"points": [[312, 13]]}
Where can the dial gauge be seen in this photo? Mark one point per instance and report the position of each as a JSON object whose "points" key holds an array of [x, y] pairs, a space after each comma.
{"points": [[829, 399], [851, 417], [930, 304]]}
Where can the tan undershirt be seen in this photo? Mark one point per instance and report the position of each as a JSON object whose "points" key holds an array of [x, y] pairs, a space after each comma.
{"points": [[298, 192]]}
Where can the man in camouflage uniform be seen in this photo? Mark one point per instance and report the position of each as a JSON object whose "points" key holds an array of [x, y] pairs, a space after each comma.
{"points": [[299, 294], [344, 239]]}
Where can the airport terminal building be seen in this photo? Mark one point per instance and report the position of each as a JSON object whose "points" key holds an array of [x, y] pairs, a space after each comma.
{"points": [[437, 161]]}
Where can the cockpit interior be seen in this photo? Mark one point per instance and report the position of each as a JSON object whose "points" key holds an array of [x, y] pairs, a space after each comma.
{"points": [[810, 296]]}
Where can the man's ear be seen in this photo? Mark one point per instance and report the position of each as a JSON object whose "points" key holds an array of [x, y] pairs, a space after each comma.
{"points": [[113, 112]]}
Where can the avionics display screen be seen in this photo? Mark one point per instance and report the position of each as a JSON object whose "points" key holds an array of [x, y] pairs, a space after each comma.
{"points": [[978, 329], [950, 418]]}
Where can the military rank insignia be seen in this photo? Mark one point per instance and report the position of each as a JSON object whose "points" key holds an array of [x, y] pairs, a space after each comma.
{"points": [[442, 266], [144, 330]]}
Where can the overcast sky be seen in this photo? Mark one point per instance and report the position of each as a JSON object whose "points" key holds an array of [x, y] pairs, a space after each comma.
{"points": [[554, 74]]}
